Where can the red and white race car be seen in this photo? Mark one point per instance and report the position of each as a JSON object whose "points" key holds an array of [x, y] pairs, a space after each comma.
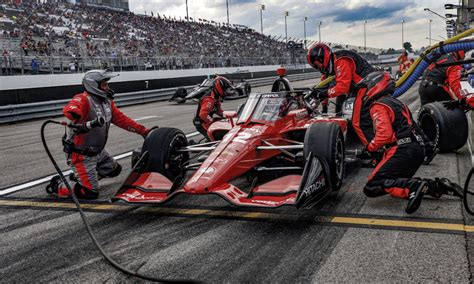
{"points": [[275, 150]]}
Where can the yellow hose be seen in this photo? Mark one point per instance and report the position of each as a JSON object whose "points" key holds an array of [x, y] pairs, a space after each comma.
{"points": [[325, 82]]}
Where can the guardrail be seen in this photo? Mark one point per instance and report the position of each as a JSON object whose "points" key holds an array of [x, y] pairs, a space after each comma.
{"points": [[21, 112]]}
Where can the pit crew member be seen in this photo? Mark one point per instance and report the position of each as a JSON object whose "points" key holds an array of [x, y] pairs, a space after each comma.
{"points": [[399, 138], [86, 154], [442, 83], [348, 67], [210, 107]]}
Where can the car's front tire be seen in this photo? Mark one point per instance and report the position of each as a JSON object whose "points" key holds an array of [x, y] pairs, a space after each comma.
{"points": [[162, 145], [325, 140]]}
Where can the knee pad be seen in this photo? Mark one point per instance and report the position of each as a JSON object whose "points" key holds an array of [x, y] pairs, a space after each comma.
{"points": [[116, 171], [374, 190], [83, 192]]}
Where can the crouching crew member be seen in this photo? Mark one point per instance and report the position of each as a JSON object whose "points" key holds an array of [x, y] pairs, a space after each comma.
{"points": [[86, 155], [348, 67], [390, 128], [442, 83], [210, 106]]}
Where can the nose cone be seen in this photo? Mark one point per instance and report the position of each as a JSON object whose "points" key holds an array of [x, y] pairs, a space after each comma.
{"points": [[233, 157]]}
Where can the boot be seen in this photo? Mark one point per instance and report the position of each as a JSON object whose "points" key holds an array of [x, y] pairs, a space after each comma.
{"points": [[416, 195], [57, 188], [433, 188]]}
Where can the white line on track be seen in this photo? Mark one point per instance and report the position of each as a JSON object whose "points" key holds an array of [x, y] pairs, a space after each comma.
{"points": [[46, 179], [147, 117]]}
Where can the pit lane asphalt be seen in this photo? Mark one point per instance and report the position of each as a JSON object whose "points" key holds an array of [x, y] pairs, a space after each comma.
{"points": [[204, 238]]}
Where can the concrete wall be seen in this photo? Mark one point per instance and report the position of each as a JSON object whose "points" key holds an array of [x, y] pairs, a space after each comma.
{"points": [[39, 88]]}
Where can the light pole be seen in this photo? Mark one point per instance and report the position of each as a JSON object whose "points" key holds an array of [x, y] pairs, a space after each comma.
{"points": [[262, 7], [304, 24], [403, 40], [428, 10], [187, 14], [429, 34], [227, 4], [286, 28], [365, 36], [320, 23]]}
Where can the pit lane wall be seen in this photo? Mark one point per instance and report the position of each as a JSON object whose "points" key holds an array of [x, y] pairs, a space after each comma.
{"points": [[41, 88]]}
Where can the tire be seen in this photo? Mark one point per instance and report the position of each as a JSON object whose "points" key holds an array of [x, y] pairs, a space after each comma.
{"points": [[163, 158], [325, 139], [447, 129]]}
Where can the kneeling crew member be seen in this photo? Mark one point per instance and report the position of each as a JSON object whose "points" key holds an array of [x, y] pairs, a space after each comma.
{"points": [[86, 155], [442, 83], [210, 107], [397, 135], [348, 67]]}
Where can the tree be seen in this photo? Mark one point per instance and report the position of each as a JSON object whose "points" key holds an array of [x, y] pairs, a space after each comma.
{"points": [[407, 47]]}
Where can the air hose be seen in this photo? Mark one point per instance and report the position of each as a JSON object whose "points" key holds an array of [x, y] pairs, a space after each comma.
{"points": [[466, 192], [99, 247]]}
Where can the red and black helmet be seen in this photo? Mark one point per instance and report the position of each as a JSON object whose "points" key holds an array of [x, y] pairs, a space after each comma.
{"points": [[376, 84], [321, 57], [221, 84]]}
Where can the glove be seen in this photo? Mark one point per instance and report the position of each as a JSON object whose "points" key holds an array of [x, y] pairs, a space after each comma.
{"points": [[365, 154], [147, 131], [320, 94], [454, 104]]}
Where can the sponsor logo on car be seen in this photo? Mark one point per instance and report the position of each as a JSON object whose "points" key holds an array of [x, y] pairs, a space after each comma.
{"points": [[317, 185]]}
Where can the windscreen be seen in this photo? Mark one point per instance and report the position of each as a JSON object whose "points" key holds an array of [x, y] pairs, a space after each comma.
{"points": [[267, 107]]}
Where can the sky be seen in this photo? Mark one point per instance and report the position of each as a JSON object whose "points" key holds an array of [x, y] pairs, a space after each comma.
{"points": [[342, 21]]}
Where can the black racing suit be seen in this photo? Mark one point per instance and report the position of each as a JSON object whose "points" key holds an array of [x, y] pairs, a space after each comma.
{"points": [[395, 133]]}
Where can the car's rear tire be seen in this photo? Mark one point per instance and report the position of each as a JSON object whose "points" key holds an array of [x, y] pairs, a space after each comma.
{"points": [[325, 139], [162, 145], [446, 129]]}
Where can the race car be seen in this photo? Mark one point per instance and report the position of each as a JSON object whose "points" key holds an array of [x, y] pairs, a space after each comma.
{"points": [[274, 151], [238, 91]]}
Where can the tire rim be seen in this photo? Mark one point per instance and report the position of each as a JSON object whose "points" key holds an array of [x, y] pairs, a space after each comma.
{"points": [[177, 159], [339, 155]]}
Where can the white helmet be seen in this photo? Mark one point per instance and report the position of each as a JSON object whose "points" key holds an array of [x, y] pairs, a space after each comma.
{"points": [[92, 79]]}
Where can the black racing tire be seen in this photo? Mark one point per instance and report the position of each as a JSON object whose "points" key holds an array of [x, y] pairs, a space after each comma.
{"points": [[162, 145], [325, 139], [446, 129]]}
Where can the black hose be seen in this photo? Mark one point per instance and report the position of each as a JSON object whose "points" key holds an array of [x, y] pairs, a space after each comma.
{"points": [[87, 225], [466, 192]]}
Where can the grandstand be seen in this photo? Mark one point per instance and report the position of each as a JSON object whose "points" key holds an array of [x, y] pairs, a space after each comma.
{"points": [[61, 37]]}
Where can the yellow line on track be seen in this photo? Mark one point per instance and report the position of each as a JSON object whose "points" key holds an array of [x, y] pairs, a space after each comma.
{"points": [[361, 221]]}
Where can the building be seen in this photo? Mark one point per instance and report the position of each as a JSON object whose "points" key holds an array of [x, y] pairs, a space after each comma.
{"points": [[121, 5]]}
